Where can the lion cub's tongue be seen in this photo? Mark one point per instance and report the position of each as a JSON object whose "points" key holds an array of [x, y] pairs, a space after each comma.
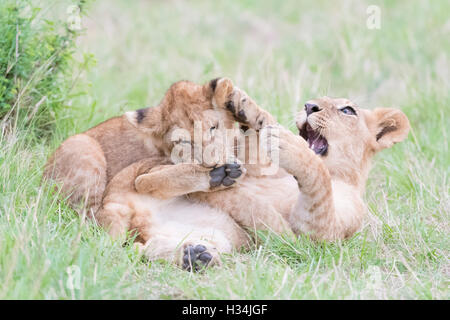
{"points": [[319, 145], [316, 142]]}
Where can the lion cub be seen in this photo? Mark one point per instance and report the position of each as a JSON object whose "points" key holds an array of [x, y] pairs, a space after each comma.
{"points": [[167, 225], [101, 152], [150, 198]]}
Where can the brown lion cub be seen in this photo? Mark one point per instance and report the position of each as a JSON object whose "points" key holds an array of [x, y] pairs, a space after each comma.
{"points": [[86, 162]]}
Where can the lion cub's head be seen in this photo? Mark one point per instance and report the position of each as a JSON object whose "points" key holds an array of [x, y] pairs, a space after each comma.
{"points": [[346, 136], [187, 111]]}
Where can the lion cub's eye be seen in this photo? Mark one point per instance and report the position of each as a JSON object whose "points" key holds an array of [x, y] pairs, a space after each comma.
{"points": [[212, 130], [214, 127], [348, 110]]}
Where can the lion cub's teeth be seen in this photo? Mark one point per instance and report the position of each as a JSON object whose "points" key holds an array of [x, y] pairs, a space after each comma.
{"points": [[312, 146]]}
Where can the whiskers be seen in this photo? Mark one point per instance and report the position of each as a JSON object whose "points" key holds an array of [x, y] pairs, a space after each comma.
{"points": [[319, 124]]}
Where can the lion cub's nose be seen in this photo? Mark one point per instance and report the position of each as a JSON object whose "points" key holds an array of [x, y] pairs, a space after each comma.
{"points": [[311, 108]]}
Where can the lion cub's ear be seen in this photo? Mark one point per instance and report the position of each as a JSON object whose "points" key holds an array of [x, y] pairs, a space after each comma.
{"points": [[219, 90], [391, 126], [147, 120], [136, 117]]}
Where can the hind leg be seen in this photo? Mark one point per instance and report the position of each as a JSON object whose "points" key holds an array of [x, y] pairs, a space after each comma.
{"points": [[197, 255], [123, 209], [78, 166], [115, 217], [192, 254], [193, 235]]}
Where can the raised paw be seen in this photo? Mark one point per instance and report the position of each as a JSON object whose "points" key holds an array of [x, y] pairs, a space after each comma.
{"points": [[196, 258], [225, 175], [221, 90], [283, 147], [246, 111]]}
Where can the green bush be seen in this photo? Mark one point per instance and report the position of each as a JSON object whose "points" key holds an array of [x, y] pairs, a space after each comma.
{"points": [[36, 65]]}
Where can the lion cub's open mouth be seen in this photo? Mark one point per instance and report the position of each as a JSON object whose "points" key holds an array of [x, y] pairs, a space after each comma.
{"points": [[316, 142]]}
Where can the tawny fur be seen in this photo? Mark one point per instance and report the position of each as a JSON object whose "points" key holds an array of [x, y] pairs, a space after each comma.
{"points": [[137, 142], [330, 204], [84, 163], [166, 225], [321, 196], [170, 206], [146, 206], [326, 202]]}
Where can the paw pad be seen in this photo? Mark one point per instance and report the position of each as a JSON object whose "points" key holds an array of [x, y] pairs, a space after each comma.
{"points": [[225, 175], [241, 116], [196, 258]]}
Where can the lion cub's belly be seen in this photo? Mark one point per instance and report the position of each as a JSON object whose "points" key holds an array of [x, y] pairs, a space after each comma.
{"points": [[281, 193], [181, 220]]}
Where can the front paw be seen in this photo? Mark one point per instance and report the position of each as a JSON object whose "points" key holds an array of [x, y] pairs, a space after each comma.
{"points": [[222, 89], [226, 175], [247, 112], [283, 147]]}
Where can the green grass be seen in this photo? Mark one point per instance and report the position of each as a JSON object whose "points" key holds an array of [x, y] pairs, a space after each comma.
{"points": [[281, 53]]}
